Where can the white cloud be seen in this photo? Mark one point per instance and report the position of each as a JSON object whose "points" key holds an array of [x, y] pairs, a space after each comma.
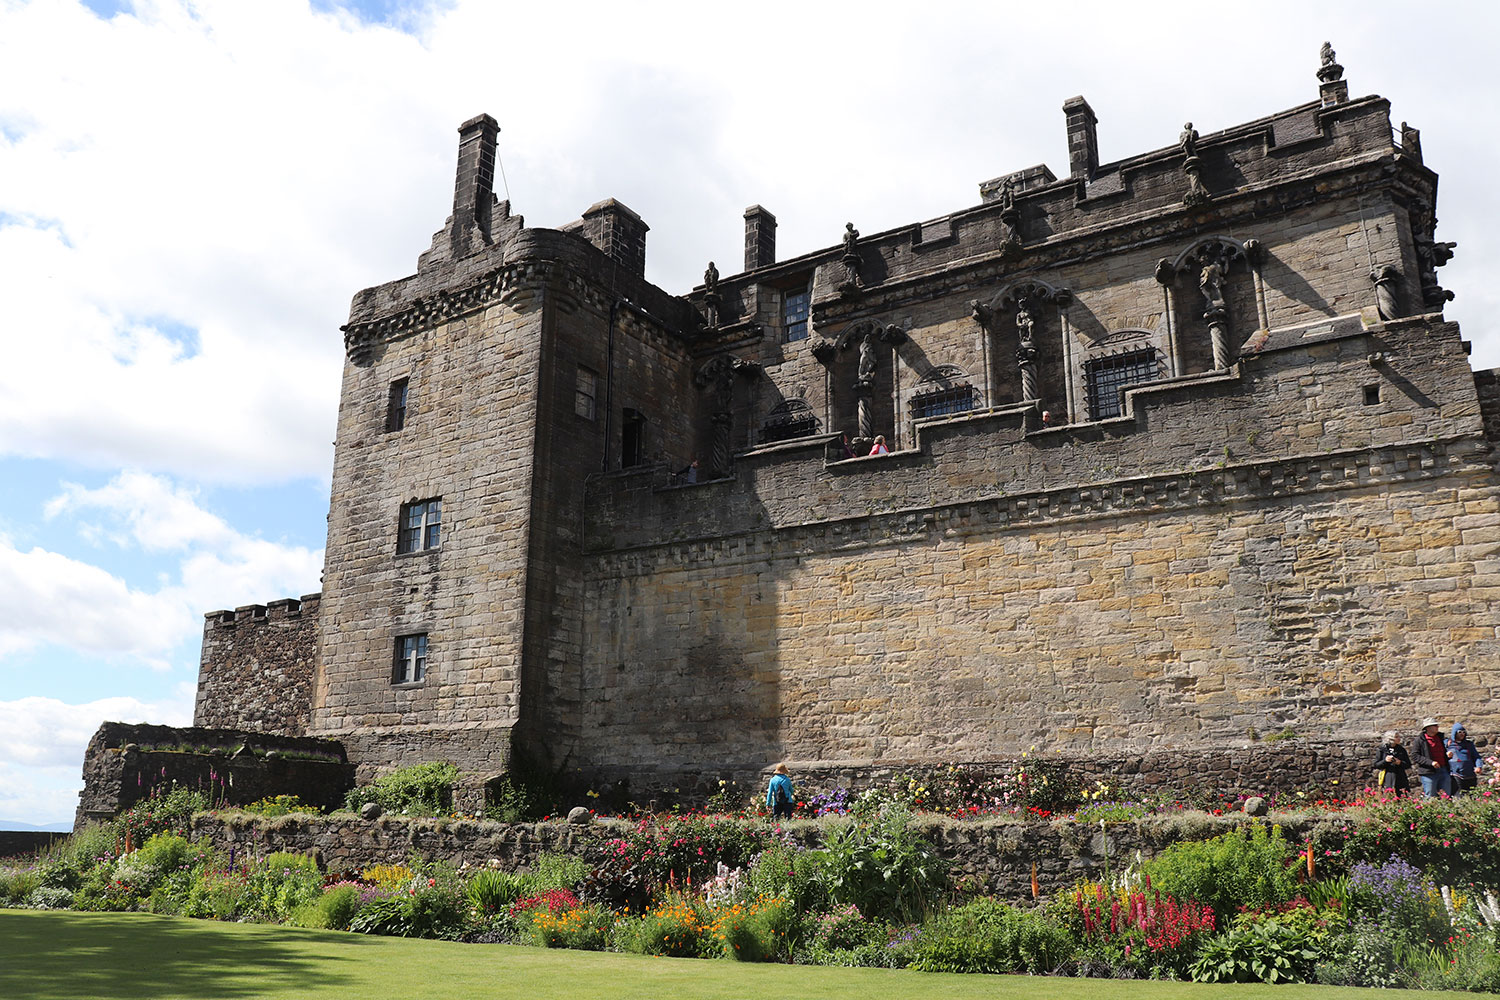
{"points": [[42, 742], [47, 597]]}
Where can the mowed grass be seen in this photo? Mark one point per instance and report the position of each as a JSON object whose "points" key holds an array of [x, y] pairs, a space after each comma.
{"points": [[80, 956]]}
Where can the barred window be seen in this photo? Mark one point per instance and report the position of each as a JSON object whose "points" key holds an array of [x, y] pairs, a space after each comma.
{"points": [[942, 402], [943, 391], [411, 659], [1107, 377], [790, 419], [421, 525], [794, 309]]}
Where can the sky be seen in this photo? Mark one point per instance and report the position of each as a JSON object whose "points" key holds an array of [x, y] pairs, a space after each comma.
{"points": [[191, 192]]}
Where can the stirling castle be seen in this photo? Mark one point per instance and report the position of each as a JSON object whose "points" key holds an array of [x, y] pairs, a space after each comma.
{"points": [[1181, 450]]}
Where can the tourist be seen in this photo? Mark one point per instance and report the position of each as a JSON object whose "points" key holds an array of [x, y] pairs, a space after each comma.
{"points": [[1430, 758], [848, 451], [689, 473], [1391, 764], [779, 796], [879, 448], [1463, 761]]}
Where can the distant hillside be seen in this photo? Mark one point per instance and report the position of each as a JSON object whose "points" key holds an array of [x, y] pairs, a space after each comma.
{"points": [[15, 824]]}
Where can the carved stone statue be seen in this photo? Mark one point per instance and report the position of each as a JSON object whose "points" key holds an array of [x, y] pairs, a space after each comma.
{"points": [[1025, 323], [711, 294], [1387, 279], [867, 356], [1325, 54], [1007, 195], [1211, 282], [1188, 141], [851, 237]]}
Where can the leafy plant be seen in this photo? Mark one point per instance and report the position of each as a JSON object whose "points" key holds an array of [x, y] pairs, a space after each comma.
{"points": [[1266, 951], [424, 789], [334, 910], [987, 935], [1239, 868], [280, 805], [492, 891], [885, 868]]}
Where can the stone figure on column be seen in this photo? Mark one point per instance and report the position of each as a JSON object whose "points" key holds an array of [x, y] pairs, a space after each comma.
{"points": [[1387, 279], [850, 260], [1010, 221], [719, 374], [1192, 167], [1026, 352], [1216, 310]]}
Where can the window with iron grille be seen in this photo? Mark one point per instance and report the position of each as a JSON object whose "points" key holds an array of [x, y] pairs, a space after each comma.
{"points": [[794, 309], [788, 420], [411, 659], [421, 525], [1106, 377], [942, 401], [395, 406]]}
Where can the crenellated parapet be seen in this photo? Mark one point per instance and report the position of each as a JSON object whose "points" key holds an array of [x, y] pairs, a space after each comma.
{"points": [[257, 666]]}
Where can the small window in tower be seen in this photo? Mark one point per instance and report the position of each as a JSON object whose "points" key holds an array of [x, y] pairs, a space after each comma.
{"points": [[583, 395], [421, 525], [794, 308], [411, 659], [1372, 394], [1107, 377], [395, 406]]}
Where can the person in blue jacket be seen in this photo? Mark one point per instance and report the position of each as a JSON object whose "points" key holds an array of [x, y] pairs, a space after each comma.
{"points": [[780, 798], [1463, 759]]}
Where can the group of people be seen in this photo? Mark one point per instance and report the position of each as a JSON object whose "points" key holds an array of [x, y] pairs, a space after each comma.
{"points": [[1444, 766], [879, 447]]}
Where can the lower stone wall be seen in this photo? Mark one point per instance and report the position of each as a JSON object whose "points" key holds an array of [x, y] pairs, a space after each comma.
{"points": [[15, 843], [123, 763], [1315, 767], [997, 855]]}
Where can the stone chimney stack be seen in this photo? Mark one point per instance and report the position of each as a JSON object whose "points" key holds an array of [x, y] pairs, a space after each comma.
{"points": [[619, 232], [474, 187], [760, 238], [1083, 138]]}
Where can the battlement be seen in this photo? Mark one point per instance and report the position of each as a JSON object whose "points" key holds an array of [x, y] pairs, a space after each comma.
{"points": [[286, 607]]}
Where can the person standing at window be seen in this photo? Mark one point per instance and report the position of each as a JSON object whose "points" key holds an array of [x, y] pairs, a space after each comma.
{"points": [[879, 448]]}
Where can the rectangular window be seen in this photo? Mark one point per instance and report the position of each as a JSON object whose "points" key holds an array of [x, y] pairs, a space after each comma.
{"points": [[421, 524], [583, 395], [411, 659], [1107, 377], [794, 309], [395, 407], [942, 402]]}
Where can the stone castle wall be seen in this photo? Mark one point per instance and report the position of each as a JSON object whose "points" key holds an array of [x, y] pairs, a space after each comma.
{"points": [[257, 667]]}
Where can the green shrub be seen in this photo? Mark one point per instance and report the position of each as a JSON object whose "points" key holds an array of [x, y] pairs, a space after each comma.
{"points": [[432, 905], [677, 927], [418, 790], [16, 885], [50, 898], [792, 874], [384, 915], [280, 885], [987, 935], [557, 871], [885, 869], [1452, 840], [280, 805], [584, 928], [1365, 956], [332, 911], [1239, 868], [216, 894], [1264, 951], [491, 891]]}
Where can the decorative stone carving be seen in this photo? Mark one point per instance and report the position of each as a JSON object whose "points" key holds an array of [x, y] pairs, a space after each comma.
{"points": [[1328, 68], [824, 350], [1210, 262], [719, 374], [867, 334], [1010, 221], [1026, 299], [711, 295], [1431, 254], [1192, 168], [1387, 281], [850, 260]]}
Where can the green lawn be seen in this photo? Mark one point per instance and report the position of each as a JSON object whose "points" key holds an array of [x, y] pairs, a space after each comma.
{"points": [[76, 956]]}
